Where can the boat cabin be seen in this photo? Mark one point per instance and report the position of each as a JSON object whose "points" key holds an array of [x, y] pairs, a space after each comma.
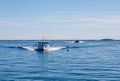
{"points": [[43, 46]]}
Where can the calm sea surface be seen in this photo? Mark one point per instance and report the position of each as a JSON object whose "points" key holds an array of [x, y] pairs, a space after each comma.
{"points": [[85, 61]]}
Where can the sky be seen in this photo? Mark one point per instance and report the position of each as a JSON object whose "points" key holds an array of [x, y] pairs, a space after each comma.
{"points": [[59, 19]]}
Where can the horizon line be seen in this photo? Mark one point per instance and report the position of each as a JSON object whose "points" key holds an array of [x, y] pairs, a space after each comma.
{"points": [[59, 39]]}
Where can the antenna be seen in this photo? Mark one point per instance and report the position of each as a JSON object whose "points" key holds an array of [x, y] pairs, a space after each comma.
{"points": [[49, 33]]}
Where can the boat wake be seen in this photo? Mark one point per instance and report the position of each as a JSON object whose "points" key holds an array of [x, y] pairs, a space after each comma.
{"points": [[22, 47], [50, 49], [74, 42], [31, 48], [56, 48], [81, 42]]}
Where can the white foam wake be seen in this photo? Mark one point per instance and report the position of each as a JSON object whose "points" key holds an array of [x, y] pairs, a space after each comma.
{"points": [[56, 48], [29, 48], [81, 41], [50, 49]]}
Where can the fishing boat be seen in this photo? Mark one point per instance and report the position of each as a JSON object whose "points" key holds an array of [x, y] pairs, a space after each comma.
{"points": [[43, 46], [77, 41]]}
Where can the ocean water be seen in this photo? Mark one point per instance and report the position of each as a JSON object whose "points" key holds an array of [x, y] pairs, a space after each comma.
{"points": [[84, 61]]}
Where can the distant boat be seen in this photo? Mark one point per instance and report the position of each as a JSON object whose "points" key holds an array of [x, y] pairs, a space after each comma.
{"points": [[43, 46], [77, 41]]}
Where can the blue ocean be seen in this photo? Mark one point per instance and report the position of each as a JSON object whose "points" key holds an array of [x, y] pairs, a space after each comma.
{"points": [[89, 60]]}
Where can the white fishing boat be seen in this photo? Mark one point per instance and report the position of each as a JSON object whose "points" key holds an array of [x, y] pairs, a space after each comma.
{"points": [[43, 46]]}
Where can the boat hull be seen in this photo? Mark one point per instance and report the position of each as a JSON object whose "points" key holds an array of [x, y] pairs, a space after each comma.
{"points": [[42, 50]]}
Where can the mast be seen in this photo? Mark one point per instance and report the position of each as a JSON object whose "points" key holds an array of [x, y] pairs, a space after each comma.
{"points": [[49, 34]]}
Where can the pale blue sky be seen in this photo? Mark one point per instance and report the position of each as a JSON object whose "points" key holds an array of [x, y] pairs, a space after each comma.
{"points": [[67, 19]]}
